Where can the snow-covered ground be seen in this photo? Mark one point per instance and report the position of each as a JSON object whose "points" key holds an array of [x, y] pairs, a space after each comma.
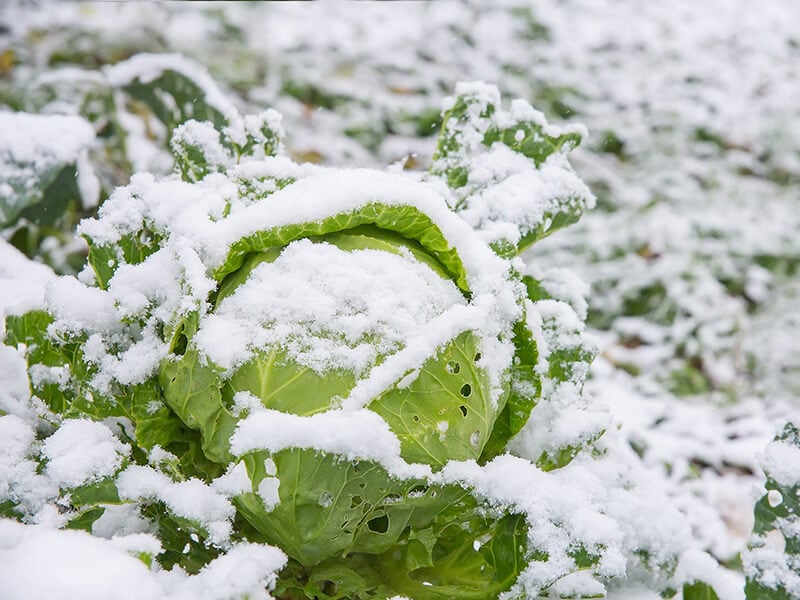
{"points": [[691, 256]]}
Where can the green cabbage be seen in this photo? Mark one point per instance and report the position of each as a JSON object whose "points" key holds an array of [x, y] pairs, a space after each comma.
{"points": [[441, 367]]}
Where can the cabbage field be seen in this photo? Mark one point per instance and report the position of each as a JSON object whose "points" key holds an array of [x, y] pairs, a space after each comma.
{"points": [[400, 300]]}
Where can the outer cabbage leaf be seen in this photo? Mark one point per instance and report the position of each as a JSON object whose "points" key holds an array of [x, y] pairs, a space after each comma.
{"points": [[446, 413], [474, 127], [408, 221], [173, 91], [524, 391], [367, 534]]}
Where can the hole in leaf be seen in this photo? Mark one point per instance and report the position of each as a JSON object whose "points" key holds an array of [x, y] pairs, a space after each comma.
{"points": [[330, 588], [477, 356], [466, 390], [417, 491], [379, 524], [416, 418], [453, 367], [463, 410], [362, 484]]}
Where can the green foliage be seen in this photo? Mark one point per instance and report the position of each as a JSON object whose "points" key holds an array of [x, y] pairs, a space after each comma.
{"points": [[174, 98], [476, 124], [773, 573], [67, 390], [525, 388], [405, 529], [699, 591]]}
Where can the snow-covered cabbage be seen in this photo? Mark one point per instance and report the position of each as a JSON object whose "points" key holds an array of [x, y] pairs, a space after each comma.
{"points": [[347, 365]]}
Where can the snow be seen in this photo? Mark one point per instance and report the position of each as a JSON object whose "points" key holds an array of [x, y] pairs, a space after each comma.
{"points": [[245, 571], [14, 390], [781, 461], [203, 137], [769, 566], [20, 481], [699, 566], [32, 145], [74, 558], [77, 307], [147, 67], [22, 282], [71, 559], [330, 432], [82, 451], [191, 499], [331, 309]]}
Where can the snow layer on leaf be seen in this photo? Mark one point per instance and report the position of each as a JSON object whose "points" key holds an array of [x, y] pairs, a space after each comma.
{"points": [[77, 307], [335, 191], [191, 499], [20, 481], [244, 571], [14, 387], [330, 308], [509, 190], [22, 281], [81, 451], [773, 568], [147, 67], [564, 510], [32, 147], [331, 432], [781, 462], [75, 558], [121, 520], [564, 417], [696, 566], [138, 543]]}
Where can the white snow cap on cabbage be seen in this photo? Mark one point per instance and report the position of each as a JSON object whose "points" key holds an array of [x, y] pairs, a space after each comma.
{"points": [[329, 308], [193, 219]]}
